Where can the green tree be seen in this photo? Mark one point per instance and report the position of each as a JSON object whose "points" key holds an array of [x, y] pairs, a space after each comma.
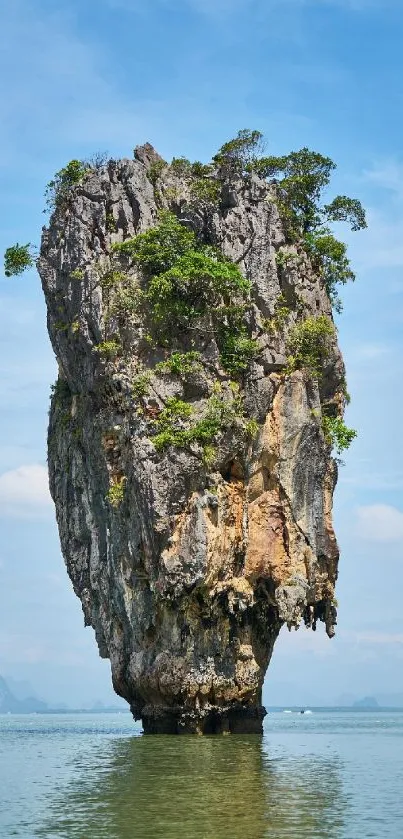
{"points": [[346, 209], [329, 258], [241, 153], [302, 178], [303, 175], [336, 433], [17, 259]]}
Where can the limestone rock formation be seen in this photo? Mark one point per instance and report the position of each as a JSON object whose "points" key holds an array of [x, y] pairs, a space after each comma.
{"points": [[187, 566]]}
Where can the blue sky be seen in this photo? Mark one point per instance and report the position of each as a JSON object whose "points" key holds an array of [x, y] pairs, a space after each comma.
{"points": [[186, 75]]}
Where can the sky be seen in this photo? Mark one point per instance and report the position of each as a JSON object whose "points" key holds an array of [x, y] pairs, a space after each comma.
{"points": [[105, 75]]}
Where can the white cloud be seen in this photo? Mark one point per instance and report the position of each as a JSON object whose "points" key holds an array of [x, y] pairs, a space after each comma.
{"points": [[380, 523], [369, 351], [380, 638], [379, 481], [24, 492], [380, 246], [29, 647], [386, 174]]}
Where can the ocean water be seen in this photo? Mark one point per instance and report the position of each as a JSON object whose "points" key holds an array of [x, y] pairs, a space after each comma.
{"points": [[325, 775]]}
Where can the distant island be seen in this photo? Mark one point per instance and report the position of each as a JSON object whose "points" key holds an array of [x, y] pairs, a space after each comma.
{"points": [[366, 702], [9, 704]]}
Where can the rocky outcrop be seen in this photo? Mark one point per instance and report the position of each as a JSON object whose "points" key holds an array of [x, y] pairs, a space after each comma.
{"points": [[186, 569]]}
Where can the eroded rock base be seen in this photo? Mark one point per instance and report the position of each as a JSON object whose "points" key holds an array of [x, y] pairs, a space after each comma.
{"points": [[238, 720]]}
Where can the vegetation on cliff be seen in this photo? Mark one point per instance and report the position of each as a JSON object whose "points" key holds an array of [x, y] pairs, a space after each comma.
{"points": [[188, 285], [17, 259]]}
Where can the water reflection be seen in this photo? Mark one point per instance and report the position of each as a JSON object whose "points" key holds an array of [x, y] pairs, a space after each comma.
{"points": [[190, 788]]}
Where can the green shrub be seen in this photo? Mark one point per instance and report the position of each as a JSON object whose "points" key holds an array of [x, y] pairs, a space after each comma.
{"points": [[175, 427], [336, 433], [116, 492], [59, 188], [180, 364], [309, 343], [285, 257], [200, 170], [110, 222], [112, 278], [77, 274], [108, 349], [17, 259], [155, 171], [237, 351], [206, 191], [158, 249], [195, 284], [171, 424], [60, 390], [181, 167], [127, 300], [278, 321], [172, 194], [251, 428], [208, 457], [141, 385]]}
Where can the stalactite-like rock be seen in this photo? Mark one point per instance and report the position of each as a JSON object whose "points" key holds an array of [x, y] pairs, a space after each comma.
{"points": [[186, 571]]}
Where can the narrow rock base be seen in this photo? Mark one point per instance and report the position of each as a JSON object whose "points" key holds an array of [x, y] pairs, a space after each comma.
{"points": [[214, 721]]}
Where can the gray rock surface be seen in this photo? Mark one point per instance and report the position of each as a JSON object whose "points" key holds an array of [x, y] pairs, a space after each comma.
{"points": [[189, 579]]}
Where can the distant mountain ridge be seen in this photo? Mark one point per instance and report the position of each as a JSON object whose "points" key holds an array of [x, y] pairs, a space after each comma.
{"points": [[10, 704]]}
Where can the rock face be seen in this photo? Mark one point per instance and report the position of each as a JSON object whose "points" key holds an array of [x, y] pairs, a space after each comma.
{"points": [[188, 571]]}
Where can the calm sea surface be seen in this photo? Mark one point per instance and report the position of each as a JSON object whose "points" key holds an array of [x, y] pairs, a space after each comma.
{"points": [[325, 775]]}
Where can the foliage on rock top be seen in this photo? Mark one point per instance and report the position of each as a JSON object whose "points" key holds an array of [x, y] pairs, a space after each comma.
{"points": [[241, 154], [58, 190], [309, 343], [300, 179]]}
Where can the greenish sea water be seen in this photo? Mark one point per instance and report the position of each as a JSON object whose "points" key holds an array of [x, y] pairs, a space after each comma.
{"points": [[326, 775]]}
